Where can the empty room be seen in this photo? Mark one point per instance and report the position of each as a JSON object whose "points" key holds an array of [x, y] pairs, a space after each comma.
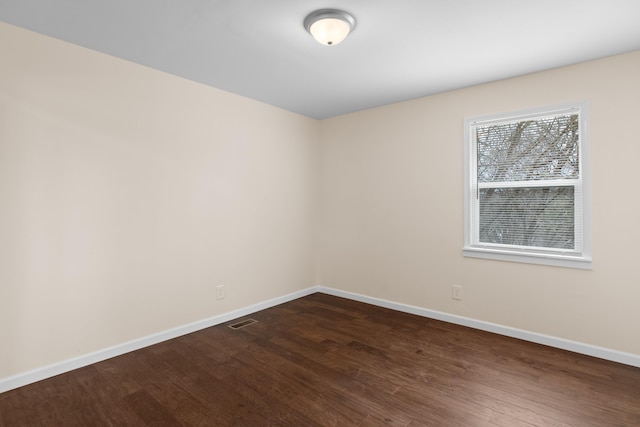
{"points": [[307, 213]]}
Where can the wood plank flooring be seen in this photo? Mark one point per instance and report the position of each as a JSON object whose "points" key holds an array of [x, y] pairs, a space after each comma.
{"points": [[328, 361]]}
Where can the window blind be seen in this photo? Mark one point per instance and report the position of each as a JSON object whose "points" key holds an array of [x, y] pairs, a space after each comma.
{"points": [[528, 181]]}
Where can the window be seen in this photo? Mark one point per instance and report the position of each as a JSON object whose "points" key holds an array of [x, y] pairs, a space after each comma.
{"points": [[526, 187]]}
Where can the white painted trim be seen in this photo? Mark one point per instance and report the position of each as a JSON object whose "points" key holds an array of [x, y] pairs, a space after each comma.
{"points": [[39, 374], [581, 258], [561, 343]]}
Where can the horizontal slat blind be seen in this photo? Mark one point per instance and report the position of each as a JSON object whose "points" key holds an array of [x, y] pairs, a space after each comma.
{"points": [[534, 216], [527, 182], [537, 149]]}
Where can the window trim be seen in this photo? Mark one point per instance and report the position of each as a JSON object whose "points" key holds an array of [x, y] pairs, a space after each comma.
{"points": [[571, 259]]}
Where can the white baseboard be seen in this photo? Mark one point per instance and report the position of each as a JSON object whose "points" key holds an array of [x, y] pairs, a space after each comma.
{"points": [[35, 375], [576, 347]]}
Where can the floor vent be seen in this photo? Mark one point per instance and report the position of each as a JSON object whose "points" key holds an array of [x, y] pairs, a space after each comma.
{"points": [[242, 324]]}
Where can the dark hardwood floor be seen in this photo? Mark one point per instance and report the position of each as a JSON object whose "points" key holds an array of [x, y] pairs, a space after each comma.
{"points": [[327, 361]]}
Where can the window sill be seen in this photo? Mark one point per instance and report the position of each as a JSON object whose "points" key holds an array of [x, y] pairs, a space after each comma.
{"points": [[569, 261]]}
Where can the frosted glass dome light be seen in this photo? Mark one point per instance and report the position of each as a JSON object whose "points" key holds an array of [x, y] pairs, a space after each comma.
{"points": [[329, 26]]}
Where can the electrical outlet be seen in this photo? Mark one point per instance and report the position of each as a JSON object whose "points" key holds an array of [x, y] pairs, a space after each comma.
{"points": [[220, 292], [456, 292]]}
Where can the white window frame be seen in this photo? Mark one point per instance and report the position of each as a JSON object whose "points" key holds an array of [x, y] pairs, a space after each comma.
{"points": [[579, 258]]}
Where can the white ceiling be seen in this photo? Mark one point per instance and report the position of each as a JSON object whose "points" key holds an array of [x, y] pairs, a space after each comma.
{"points": [[400, 49]]}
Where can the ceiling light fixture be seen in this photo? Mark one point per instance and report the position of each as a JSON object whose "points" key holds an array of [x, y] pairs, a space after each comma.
{"points": [[329, 26]]}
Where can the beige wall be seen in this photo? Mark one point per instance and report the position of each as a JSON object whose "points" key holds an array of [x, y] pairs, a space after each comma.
{"points": [[392, 208], [127, 195]]}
